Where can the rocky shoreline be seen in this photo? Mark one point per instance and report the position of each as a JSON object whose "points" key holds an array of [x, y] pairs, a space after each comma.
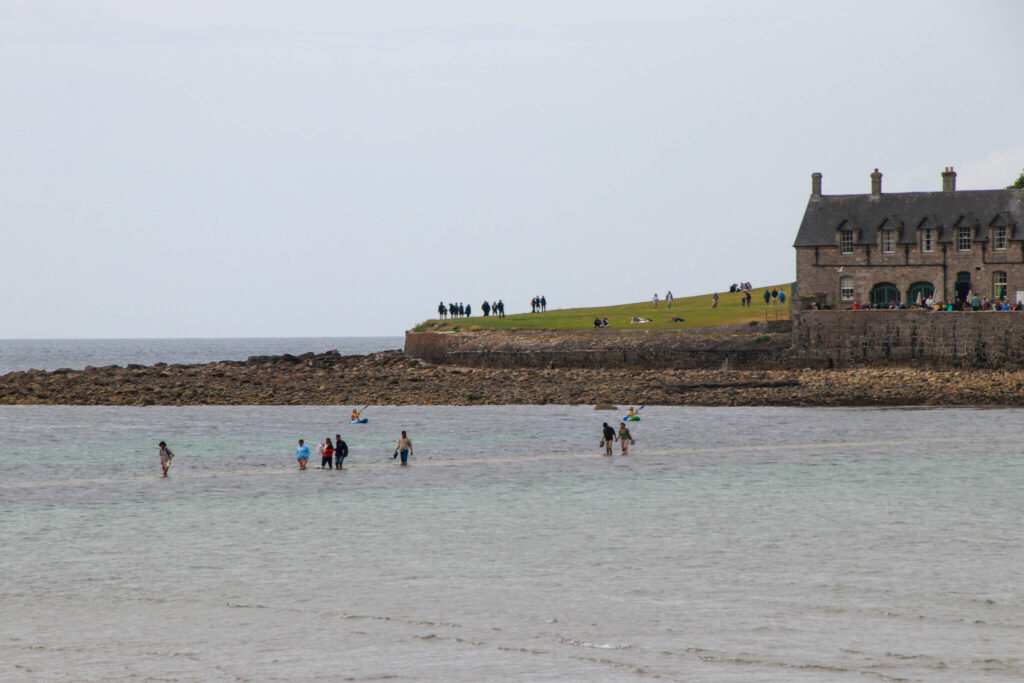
{"points": [[392, 378]]}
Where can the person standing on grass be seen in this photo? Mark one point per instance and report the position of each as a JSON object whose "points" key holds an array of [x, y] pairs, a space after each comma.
{"points": [[608, 439], [782, 297], [302, 454], [165, 457], [486, 308], [655, 300], [714, 300], [668, 299], [543, 303], [340, 451], [404, 448], [625, 438], [767, 297], [775, 295]]}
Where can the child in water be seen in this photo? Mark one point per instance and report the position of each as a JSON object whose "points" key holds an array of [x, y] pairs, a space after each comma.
{"points": [[165, 457]]}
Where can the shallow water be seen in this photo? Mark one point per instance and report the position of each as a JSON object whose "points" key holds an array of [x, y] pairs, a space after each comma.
{"points": [[731, 544]]}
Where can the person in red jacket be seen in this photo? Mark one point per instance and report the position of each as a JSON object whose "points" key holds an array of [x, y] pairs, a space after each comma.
{"points": [[328, 456]]}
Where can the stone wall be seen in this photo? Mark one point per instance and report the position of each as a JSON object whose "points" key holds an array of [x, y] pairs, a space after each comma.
{"points": [[760, 346], [819, 339], [990, 339]]}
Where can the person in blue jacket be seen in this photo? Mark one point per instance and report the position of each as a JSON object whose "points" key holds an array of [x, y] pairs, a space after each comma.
{"points": [[302, 454]]}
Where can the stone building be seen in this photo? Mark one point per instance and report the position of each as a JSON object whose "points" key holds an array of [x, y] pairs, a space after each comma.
{"points": [[878, 248]]}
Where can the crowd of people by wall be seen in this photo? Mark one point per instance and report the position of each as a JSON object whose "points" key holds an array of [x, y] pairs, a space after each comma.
{"points": [[972, 303]]}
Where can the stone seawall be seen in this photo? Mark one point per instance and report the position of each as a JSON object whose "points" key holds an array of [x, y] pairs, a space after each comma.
{"points": [[758, 346], [986, 339]]}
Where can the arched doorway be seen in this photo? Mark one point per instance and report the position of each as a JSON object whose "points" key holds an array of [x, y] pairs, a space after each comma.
{"points": [[963, 285], [918, 292], [884, 293]]}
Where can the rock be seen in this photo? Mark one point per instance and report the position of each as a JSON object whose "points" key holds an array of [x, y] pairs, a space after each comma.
{"points": [[605, 406]]}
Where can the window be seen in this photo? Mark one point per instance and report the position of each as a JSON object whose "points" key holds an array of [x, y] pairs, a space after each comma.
{"points": [[888, 241], [963, 239], [928, 240], [846, 242], [999, 284], [999, 238], [846, 288], [884, 294]]}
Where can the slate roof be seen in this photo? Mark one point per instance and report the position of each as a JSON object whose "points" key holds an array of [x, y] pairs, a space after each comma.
{"points": [[906, 211]]}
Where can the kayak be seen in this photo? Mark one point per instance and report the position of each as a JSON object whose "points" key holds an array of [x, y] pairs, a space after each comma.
{"points": [[359, 422], [635, 418]]}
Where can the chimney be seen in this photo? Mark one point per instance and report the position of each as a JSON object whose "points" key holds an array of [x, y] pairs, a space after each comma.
{"points": [[949, 180], [815, 184], [876, 183]]}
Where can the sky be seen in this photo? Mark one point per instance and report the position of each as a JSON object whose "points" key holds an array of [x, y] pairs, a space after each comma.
{"points": [[257, 168]]}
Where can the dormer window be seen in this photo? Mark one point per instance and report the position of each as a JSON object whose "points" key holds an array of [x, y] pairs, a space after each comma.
{"points": [[963, 239], [888, 241], [846, 241], [927, 240], [999, 238]]}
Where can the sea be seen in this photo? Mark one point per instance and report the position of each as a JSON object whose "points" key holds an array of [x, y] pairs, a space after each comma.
{"points": [[53, 354], [730, 544]]}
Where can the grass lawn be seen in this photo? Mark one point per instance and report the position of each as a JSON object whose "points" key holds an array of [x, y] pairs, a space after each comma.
{"points": [[695, 310]]}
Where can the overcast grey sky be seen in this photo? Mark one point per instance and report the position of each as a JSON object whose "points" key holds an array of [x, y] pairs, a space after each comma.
{"points": [[333, 168]]}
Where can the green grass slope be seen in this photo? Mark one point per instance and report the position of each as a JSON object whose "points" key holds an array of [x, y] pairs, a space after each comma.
{"points": [[695, 310]]}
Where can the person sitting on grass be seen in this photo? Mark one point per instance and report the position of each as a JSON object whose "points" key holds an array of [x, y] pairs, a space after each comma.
{"points": [[677, 319], [597, 323]]}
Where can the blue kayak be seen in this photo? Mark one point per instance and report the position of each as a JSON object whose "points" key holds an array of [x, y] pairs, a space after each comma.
{"points": [[359, 422]]}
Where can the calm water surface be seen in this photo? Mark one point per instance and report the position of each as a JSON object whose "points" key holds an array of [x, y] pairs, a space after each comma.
{"points": [[731, 544], [51, 354]]}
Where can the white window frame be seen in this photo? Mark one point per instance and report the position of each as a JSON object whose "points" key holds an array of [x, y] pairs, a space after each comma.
{"points": [[846, 288], [999, 287], [846, 241], [963, 239], [927, 240], [999, 238], [888, 241]]}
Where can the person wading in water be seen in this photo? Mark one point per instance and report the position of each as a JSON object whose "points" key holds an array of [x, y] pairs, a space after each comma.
{"points": [[165, 457], [625, 438], [608, 439], [404, 448]]}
